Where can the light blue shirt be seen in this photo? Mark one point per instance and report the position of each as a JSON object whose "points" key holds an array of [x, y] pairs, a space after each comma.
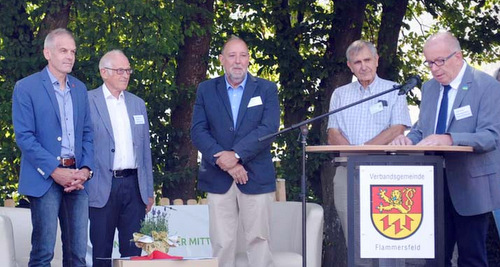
{"points": [[66, 114], [235, 95]]}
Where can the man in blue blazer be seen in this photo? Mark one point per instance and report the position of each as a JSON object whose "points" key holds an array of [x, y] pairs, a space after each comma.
{"points": [[468, 116], [51, 118], [230, 113], [121, 191]]}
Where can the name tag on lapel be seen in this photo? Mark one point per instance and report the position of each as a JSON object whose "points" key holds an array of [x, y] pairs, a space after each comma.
{"points": [[462, 112], [139, 119], [254, 101]]}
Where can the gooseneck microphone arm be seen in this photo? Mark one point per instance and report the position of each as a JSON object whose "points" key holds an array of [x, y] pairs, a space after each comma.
{"points": [[403, 89]]}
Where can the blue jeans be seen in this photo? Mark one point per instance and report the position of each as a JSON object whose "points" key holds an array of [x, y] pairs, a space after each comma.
{"points": [[72, 211]]}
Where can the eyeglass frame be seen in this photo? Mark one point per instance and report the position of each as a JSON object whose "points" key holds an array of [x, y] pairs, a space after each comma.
{"points": [[442, 61], [121, 71]]}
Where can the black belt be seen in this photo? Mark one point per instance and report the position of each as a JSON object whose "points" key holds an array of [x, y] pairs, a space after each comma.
{"points": [[124, 173]]}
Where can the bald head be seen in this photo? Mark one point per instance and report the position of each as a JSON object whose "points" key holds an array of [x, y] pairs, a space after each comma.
{"points": [[443, 56], [445, 38]]}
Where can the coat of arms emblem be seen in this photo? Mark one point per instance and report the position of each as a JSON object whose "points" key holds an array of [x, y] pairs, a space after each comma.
{"points": [[396, 210]]}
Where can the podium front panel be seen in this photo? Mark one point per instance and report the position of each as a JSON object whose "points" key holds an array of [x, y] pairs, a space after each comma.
{"points": [[395, 209]]}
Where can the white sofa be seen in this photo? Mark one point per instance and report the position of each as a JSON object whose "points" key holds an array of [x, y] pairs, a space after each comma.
{"points": [[286, 235], [15, 238]]}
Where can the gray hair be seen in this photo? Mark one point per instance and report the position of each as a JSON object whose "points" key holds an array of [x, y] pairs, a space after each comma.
{"points": [[357, 46], [105, 61], [49, 39]]}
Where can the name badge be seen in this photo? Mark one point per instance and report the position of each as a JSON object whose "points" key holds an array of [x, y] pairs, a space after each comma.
{"points": [[139, 119], [377, 107], [462, 112], [254, 101]]}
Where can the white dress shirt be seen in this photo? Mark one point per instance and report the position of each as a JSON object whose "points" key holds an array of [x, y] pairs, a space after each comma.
{"points": [[452, 94], [124, 147]]}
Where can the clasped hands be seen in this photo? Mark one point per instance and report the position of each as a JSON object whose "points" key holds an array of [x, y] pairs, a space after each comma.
{"points": [[70, 179], [228, 162]]}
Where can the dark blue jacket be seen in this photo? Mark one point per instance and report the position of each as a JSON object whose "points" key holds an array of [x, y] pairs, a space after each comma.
{"points": [[212, 131]]}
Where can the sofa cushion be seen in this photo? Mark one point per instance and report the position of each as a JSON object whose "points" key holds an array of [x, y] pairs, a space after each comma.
{"points": [[7, 243], [21, 226]]}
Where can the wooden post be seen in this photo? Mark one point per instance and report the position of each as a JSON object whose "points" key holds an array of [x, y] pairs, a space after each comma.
{"points": [[164, 201], [9, 203], [178, 201], [280, 190], [192, 202]]}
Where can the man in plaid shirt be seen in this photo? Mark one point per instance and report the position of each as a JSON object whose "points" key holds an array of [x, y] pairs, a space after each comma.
{"points": [[374, 122]]}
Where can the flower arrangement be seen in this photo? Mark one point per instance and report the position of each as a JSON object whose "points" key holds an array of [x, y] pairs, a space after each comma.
{"points": [[153, 234], [157, 221]]}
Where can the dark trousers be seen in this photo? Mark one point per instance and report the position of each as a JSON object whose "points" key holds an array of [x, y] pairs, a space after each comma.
{"points": [[124, 212], [468, 232]]}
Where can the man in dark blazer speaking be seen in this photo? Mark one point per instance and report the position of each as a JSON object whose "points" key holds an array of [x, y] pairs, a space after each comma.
{"points": [[460, 106], [121, 191], [230, 113]]}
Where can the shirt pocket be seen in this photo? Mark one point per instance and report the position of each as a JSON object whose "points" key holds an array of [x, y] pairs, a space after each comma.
{"points": [[382, 118]]}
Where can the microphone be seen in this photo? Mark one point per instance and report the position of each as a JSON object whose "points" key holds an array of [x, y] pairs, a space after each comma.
{"points": [[409, 84]]}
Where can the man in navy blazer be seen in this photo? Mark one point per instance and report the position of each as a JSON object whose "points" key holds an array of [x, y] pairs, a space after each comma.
{"points": [[51, 118], [230, 113], [121, 191], [470, 118]]}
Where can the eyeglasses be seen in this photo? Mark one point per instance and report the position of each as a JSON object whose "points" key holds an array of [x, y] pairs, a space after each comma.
{"points": [[121, 71], [438, 62]]}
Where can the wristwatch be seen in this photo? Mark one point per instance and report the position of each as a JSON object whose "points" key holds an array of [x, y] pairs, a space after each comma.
{"points": [[236, 155], [91, 173]]}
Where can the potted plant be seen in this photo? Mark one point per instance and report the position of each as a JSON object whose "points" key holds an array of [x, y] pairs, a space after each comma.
{"points": [[153, 234]]}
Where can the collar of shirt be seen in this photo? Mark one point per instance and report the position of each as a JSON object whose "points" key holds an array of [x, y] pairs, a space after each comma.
{"points": [[370, 86], [55, 82], [242, 84], [108, 95], [456, 82]]}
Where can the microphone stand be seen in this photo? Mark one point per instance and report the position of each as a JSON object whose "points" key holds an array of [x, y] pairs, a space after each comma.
{"points": [[403, 89]]}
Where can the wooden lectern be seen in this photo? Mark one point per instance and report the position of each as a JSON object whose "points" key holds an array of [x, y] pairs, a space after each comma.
{"points": [[395, 200]]}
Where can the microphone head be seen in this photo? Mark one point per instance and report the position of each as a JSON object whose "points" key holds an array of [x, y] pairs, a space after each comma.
{"points": [[409, 84], [417, 79]]}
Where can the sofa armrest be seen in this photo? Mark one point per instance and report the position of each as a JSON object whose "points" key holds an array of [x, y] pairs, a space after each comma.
{"points": [[314, 232], [7, 249]]}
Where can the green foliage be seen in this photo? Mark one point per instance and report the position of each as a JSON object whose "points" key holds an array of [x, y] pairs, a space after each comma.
{"points": [[294, 43]]}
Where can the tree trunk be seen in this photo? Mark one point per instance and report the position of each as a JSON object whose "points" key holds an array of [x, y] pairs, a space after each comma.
{"points": [[192, 68], [392, 17], [346, 28], [289, 62], [57, 17]]}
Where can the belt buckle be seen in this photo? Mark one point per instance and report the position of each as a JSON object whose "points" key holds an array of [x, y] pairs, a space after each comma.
{"points": [[65, 162], [117, 173]]}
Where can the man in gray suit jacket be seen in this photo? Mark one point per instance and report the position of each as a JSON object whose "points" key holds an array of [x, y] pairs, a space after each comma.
{"points": [[122, 189], [468, 116]]}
